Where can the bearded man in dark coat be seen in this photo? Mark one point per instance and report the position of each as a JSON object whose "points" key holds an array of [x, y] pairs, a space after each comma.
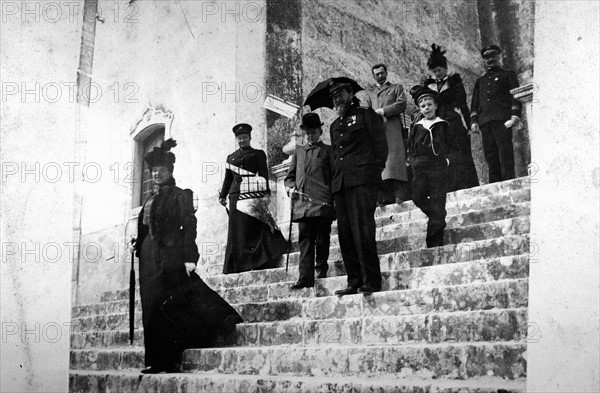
{"points": [[360, 152]]}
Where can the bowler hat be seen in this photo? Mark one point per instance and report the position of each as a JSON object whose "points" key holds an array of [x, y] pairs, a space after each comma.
{"points": [[491, 48], [310, 120], [242, 128]]}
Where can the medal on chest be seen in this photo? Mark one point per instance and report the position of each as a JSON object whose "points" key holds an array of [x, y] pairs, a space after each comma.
{"points": [[351, 121]]}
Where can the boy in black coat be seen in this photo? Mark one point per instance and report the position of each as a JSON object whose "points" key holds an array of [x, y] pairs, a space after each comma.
{"points": [[427, 155], [308, 183]]}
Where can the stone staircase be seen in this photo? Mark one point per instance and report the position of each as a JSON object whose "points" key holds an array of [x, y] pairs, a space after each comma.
{"points": [[459, 325]]}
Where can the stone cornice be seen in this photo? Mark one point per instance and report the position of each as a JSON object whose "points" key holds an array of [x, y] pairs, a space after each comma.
{"points": [[524, 93]]}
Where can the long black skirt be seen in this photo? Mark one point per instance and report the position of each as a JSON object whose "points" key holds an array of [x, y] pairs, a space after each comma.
{"points": [[250, 243], [461, 173], [178, 311]]}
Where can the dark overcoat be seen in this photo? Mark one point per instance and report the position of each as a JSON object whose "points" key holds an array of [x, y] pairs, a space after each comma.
{"points": [[452, 107], [165, 241], [310, 172], [492, 100], [360, 148]]}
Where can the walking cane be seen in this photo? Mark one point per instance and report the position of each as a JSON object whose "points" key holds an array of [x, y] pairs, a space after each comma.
{"points": [[287, 259], [131, 295]]}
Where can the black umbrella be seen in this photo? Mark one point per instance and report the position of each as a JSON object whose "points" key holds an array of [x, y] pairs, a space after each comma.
{"points": [[319, 96]]}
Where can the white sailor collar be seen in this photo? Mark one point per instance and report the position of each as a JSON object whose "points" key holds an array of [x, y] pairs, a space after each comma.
{"points": [[430, 123]]}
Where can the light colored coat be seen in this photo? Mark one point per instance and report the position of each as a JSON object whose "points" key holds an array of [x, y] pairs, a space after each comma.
{"points": [[392, 98]]}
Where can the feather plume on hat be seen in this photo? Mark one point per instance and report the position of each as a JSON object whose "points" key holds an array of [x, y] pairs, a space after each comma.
{"points": [[161, 156], [437, 58]]}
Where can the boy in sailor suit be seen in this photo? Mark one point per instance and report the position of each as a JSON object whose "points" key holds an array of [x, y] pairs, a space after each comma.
{"points": [[427, 155]]}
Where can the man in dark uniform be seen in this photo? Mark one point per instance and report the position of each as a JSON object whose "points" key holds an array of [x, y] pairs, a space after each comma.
{"points": [[360, 152], [308, 183], [494, 113]]}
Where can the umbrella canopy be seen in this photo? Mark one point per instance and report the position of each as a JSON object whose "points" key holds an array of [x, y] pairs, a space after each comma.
{"points": [[319, 96]]}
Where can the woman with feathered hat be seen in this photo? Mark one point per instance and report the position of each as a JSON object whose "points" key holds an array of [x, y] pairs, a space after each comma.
{"points": [[452, 107], [167, 251]]}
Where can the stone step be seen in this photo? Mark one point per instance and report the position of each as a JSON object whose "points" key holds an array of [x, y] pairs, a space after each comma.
{"points": [[402, 275], [433, 328], [452, 253], [510, 267], [473, 197], [84, 381], [418, 221], [407, 212], [496, 207], [397, 239], [502, 294], [470, 297], [461, 360]]}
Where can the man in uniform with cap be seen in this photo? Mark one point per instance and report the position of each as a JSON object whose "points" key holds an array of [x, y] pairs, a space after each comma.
{"points": [[308, 183], [494, 113], [251, 244], [360, 152]]}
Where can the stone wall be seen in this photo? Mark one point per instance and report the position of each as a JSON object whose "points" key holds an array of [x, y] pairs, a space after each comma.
{"points": [[204, 62], [510, 24], [284, 70], [345, 38], [38, 64], [564, 274]]}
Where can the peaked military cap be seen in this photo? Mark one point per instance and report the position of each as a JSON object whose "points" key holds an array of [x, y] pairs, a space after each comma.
{"points": [[242, 128], [419, 92], [491, 48], [336, 85]]}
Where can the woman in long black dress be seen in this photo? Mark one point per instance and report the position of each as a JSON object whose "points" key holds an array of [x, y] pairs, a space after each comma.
{"points": [[167, 251], [251, 243], [453, 108]]}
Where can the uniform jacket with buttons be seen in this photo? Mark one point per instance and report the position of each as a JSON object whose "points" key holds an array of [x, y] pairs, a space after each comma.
{"points": [[310, 172], [250, 159], [360, 148], [492, 100]]}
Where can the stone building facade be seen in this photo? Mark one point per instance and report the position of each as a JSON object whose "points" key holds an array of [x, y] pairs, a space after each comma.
{"points": [[175, 41], [207, 66]]}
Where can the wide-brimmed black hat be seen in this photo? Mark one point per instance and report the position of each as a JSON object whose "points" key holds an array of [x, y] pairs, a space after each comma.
{"points": [[437, 58], [311, 120], [161, 156], [242, 128], [419, 92], [491, 48]]}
